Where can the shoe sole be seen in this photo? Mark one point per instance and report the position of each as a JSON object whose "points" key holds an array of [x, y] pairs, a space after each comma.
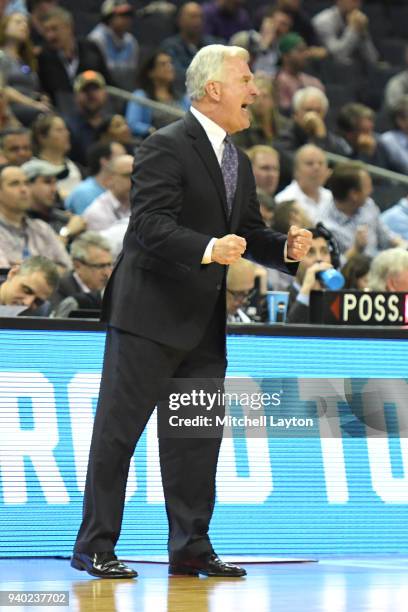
{"points": [[185, 570], [82, 568]]}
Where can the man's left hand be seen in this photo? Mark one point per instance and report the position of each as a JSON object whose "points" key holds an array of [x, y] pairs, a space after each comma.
{"points": [[299, 243]]}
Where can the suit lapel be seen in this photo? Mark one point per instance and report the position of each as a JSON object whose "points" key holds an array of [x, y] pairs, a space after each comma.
{"points": [[204, 149]]}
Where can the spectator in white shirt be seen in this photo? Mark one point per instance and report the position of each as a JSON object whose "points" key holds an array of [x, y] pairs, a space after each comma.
{"points": [[113, 204], [344, 31], [311, 173]]}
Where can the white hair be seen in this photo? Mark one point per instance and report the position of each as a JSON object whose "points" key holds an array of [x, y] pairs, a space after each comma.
{"points": [[208, 65], [303, 94], [387, 263]]}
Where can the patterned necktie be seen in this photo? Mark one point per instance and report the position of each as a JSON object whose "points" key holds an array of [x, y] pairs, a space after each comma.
{"points": [[229, 169]]}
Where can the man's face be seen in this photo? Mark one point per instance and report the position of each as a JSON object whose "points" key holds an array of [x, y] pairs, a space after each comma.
{"points": [[358, 197], [238, 291], [44, 190], [236, 91], [17, 149], [402, 123], [310, 104], [96, 269], [311, 168], [297, 57], [266, 171], [318, 252], [121, 24], [14, 190], [282, 23], [122, 171], [191, 19], [92, 98], [30, 289], [398, 281], [58, 33]]}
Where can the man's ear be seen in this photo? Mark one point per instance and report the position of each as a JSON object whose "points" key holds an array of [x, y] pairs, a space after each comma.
{"points": [[13, 272], [213, 90]]}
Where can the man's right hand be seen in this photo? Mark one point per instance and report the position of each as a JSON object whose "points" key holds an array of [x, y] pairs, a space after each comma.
{"points": [[357, 20], [228, 249], [310, 281]]}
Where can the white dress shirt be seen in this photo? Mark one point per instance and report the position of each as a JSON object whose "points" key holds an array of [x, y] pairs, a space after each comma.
{"points": [[310, 206], [216, 135]]}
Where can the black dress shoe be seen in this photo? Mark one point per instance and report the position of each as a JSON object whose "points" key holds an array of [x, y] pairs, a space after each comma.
{"points": [[208, 565], [102, 565]]}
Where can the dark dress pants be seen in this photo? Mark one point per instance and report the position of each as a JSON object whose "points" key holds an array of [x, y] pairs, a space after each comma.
{"points": [[133, 370]]}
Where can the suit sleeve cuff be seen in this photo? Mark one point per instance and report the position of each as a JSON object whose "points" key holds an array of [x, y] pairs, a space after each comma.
{"points": [[208, 252]]}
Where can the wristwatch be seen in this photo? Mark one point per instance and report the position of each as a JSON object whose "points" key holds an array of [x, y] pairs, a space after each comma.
{"points": [[64, 232]]}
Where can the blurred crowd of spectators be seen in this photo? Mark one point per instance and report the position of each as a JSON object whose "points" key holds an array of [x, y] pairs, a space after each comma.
{"points": [[332, 79]]}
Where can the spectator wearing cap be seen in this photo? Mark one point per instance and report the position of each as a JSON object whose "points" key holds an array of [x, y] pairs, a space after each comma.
{"points": [[52, 142], [114, 204], [291, 77], [115, 41], [91, 107], [20, 236], [42, 177], [224, 18], [64, 57], [183, 46]]}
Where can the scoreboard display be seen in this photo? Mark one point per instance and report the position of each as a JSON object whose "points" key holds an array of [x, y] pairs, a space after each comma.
{"points": [[341, 493]]}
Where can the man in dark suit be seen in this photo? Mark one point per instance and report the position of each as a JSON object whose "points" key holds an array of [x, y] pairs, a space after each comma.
{"points": [[64, 57], [92, 259], [194, 211]]}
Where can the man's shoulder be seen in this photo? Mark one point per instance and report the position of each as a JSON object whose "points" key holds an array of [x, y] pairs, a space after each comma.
{"points": [[101, 201], [172, 42], [291, 191], [39, 226], [325, 16]]}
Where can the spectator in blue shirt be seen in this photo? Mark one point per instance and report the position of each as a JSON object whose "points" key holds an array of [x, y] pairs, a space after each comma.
{"points": [[116, 43], [157, 79], [99, 166], [396, 218]]}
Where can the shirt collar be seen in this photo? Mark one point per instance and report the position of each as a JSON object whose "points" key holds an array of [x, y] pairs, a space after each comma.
{"points": [[214, 131], [81, 283]]}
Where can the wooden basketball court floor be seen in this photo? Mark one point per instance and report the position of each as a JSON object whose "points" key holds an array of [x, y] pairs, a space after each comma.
{"points": [[334, 584]]}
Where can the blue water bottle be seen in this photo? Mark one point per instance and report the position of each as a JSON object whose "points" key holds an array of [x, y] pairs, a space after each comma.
{"points": [[331, 279]]}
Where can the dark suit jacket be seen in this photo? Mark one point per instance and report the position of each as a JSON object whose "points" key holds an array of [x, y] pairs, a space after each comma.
{"points": [[53, 75], [159, 289], [68, 287]]}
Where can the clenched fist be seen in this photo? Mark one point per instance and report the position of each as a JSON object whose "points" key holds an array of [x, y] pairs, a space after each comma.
{"points": [[228, 249], [299, 243]]}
